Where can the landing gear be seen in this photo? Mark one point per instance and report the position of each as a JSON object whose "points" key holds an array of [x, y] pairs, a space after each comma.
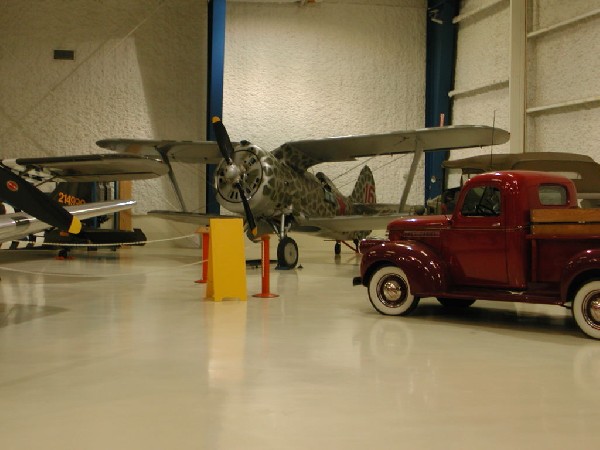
{"points": [[338, 246], [287, 253]]}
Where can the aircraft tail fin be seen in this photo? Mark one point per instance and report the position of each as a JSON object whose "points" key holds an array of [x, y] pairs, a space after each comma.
{"points": [[364, 189]]}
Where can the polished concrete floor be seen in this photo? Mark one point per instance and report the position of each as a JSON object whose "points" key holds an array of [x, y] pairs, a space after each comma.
{"points": [[119, 350]]}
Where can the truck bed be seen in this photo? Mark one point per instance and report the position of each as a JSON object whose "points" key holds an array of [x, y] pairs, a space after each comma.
{"points": [[550, 228]]}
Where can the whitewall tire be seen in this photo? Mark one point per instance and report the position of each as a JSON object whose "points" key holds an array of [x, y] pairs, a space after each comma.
{"points": [[586, 308], [390, 293]]}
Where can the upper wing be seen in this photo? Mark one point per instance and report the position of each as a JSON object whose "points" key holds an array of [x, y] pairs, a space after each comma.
{"points": [[347, 148], [19, 224], [306, 153], [98, 167], [205, 152]]}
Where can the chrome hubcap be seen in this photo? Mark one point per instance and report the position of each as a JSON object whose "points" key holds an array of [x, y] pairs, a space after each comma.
{"points": [[392, 291], [591, 309]]}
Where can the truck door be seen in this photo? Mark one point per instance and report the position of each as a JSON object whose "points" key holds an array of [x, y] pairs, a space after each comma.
{"points": [[475, 244]]}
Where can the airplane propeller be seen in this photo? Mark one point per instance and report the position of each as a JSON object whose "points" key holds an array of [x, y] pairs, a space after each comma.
{"points": [[26, 197], [233, 173]]}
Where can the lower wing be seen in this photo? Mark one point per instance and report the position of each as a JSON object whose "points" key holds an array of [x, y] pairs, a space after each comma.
{"points": [[189, 217], [19, 224], [324, 226], [345, 224]]}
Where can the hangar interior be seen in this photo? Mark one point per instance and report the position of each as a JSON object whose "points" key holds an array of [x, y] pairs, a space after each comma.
{"points": [[121, 350]]}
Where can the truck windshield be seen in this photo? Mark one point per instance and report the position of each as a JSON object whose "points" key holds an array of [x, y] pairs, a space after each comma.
{"points": [[482, 201]]}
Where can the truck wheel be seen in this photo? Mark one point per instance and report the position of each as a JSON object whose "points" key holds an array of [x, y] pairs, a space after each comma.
{"points": [[389, 292], [586, 308], [455, 303]]}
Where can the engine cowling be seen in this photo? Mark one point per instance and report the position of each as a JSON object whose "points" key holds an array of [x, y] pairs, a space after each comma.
{"points": [[253, 168]]}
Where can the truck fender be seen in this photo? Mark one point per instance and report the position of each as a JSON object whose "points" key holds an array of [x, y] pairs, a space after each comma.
{"points": [[583, 266], [426, 271]]}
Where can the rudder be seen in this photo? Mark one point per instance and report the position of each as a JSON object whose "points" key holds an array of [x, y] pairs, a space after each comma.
{"points": [[364, 189]]}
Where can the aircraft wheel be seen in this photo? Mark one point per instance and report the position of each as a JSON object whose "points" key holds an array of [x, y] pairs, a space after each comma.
{"points": [[338, 248], [455, 303], [586, 308], [287, 253], [389, 292]]}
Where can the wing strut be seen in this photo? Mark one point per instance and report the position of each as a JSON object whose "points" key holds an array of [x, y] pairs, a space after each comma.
{"points": [[411, 174], [163, 152]]}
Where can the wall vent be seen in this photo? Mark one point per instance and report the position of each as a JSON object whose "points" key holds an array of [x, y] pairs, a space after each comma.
{"points": [[64, 54]]}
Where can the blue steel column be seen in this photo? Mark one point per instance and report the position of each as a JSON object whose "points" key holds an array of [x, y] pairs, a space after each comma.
{"points": [[441, 44], [216, 63]]}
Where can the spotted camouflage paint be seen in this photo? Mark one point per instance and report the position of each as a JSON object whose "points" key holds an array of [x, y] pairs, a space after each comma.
{"points": [[283, 186]]}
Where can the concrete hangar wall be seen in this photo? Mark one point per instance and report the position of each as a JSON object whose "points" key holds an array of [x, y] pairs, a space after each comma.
{"points": [[138, 70], [561, 104], [292, 71]]}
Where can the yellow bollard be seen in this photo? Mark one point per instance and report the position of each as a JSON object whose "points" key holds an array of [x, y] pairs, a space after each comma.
{"points": [[226, 261]]}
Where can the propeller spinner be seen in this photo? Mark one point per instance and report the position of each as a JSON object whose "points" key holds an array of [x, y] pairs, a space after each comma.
{"points": [[234, 172]]}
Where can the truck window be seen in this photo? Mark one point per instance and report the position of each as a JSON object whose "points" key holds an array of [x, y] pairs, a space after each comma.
{"points": [[552, 194], [482, 201]]}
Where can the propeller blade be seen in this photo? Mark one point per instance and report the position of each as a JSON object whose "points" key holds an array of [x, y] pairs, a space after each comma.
{"points": [[26, 197], [227, 151], [223, 140], [249, 216]]}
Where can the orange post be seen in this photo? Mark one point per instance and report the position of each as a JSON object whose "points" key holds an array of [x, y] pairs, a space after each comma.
{"points": [[205, 244], [265, 265]]}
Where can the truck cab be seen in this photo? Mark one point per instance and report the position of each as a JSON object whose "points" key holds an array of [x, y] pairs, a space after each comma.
{"points": [[492, 216]]}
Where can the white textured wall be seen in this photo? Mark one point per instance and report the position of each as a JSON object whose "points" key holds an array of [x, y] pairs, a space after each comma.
{"points": [[139, 71], [562, 66], [482, 62], [334, 68]]}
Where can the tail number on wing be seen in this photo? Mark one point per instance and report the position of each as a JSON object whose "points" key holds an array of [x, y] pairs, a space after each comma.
{"points": [[70, 200]]}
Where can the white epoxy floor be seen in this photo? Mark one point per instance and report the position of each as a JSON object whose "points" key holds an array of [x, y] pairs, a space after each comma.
{"points": [[121, 351]]}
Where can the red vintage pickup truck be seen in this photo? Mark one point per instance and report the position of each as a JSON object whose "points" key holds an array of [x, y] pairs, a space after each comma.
{"points": [[514, 236]]}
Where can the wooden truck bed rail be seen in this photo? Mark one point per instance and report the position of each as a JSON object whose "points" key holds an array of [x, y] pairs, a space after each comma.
{"points": [[557, 222]]}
